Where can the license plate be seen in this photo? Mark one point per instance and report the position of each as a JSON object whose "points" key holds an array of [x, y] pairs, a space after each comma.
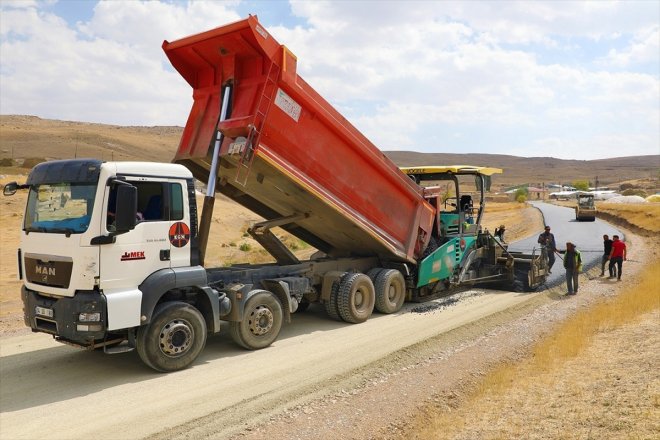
{"points": [[44, 311]]}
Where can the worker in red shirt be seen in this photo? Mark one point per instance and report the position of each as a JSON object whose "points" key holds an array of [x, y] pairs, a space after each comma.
{"points": [[617, 256]]}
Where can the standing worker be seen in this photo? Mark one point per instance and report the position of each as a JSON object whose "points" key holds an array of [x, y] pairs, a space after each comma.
{"points": [[547, 239], [499, 233], [573, 266], [607, 249], [617, 256]]}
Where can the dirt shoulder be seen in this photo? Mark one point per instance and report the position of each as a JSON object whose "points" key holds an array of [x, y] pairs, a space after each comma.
{"points": [[385, 400]]}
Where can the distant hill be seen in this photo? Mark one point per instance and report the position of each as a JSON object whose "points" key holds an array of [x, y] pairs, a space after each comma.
{"points": [[543, 169], [24, 137], [29, 136]]}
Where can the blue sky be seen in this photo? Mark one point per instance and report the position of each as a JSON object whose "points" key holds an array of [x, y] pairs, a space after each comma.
{"points": [[574, 80]]}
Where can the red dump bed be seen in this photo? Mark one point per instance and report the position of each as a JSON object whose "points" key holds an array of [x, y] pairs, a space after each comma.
{"points": [[286, 151]]}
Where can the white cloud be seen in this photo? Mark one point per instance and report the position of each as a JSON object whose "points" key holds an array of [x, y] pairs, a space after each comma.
{"points": [[111, 69], [446, 64], [644, 48], [408, 74]]}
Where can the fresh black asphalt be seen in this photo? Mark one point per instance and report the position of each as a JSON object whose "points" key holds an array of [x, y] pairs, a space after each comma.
{"points": [[587, 237]]}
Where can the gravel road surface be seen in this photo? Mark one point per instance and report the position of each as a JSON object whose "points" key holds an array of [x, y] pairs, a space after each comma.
{"points": [[49, 390], [55, 391]]}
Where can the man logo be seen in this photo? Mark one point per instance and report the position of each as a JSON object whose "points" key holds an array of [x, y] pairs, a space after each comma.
{"points": [[44, 270]]}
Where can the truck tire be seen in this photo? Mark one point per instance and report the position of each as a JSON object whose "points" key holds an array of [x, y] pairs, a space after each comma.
{"points": [[390, 291], [261, 324], [174, 337], [356, 298], [331, 307], [373, 273]]}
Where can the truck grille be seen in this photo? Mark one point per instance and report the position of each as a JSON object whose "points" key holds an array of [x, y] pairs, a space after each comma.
{"points": [[48, 271]]}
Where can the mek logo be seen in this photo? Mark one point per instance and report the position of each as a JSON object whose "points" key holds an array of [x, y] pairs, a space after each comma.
{"points": [[134, 255]]}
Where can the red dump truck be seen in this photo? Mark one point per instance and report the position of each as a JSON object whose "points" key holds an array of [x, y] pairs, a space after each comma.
{"points": [[287, 153], [112, 253]]}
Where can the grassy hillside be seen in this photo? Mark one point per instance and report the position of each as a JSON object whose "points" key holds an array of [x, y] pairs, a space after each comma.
{"points": [[540, 169], [32, 137], [29, 136]]}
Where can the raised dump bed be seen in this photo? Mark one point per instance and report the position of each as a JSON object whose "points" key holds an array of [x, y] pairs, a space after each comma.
{"points": [[287, 154]]}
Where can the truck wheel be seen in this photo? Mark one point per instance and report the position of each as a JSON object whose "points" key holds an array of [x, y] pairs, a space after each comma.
{"points": [[173, 339], [373, 273], [331, 307], [356, 298], [390, 291], [261, 324]]}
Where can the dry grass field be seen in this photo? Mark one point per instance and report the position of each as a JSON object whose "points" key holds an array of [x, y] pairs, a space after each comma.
{"points": [[24, 137], [520, 219], [646, 216]]}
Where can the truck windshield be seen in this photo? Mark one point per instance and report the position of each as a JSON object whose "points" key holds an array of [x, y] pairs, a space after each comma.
{"points": [[64, 208]]}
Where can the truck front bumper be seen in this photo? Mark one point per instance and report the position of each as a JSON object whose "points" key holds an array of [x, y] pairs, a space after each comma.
{"points": [[61, 317]]}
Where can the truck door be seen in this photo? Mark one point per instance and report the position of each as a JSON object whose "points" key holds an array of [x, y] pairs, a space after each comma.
{"points": [[179, 232], [138, 253]]}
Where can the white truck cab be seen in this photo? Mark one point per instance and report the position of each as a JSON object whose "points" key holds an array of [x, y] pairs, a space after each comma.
{"points": [[102, 243]]}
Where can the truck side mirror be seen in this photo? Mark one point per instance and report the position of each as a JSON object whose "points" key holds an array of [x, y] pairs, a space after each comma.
{"points": [[126, 208], [11, 188]]}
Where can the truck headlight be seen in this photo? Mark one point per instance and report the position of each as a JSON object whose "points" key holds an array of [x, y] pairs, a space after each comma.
{"points": [[89, 317]]}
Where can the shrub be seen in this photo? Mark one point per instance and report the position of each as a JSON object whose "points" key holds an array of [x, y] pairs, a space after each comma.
{"points": [[634, 192], [245, 247], [7, 162], [581, 185], [521, 195]]}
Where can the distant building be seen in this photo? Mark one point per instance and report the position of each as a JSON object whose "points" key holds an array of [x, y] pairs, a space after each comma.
{"points": [[535, 193]]}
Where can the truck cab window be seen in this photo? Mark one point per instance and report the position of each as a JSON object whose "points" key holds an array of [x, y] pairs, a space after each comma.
{"points": [[150, 203]]}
